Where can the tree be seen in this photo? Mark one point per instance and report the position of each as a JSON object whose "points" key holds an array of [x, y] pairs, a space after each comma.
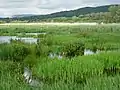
{"points": [[115, 13]]}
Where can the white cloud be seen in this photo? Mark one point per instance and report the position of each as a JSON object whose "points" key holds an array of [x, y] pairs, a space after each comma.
{"points": [[11, 7]]}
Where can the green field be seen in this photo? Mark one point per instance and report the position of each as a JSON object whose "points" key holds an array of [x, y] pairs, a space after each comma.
{"points": [[74, 71]]}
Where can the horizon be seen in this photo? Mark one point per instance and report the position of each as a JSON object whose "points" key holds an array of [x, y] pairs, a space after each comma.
{"points": [[9, 8]]}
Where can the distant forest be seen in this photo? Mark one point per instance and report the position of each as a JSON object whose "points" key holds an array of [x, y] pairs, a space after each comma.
{"points": [[106, 14]]}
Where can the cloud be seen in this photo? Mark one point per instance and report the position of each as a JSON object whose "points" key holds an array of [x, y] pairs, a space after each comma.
{"points": [[18, 3], [11, 7]]}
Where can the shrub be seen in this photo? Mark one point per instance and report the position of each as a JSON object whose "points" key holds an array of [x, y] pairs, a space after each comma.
{"points": [[16, 52], [41, 35], [43, 46], [30, 61], [94, 48], [74, 49], [42, 50], [48, 40]]}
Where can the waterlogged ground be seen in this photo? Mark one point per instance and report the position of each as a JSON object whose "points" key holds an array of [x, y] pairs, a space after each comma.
{"points": [[49, 62]]}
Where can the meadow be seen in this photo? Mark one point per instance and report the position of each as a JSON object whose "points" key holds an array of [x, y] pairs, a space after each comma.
{"points": [[74, 70]]}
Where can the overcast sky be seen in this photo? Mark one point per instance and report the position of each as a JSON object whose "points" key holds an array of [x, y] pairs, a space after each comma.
{"points": [[13, 7]]}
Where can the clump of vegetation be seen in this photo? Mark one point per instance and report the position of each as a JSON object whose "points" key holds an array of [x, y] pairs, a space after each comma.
{"points": [[42, 49], [30, 61], [41, 35], [94, 48], [74, 49], [15, 52]]}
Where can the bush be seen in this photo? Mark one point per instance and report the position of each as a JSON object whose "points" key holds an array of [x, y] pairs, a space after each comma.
{"points": [[42, 50], [48, 40], [41, 35], [30, 61], [74, 49], [43, 46], [16, 52]]}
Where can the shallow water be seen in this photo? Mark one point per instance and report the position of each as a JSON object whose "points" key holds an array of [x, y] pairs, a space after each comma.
{"points": [[29, 79], [53, 55], [31, 33], [88, 52], [6, 39]]}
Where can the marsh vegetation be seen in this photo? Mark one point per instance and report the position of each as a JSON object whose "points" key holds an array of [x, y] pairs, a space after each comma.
{"points": [[74, 70]]}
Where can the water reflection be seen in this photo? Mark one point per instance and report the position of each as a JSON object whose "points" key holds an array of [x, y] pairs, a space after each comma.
{"points": [[31, 33], [6, 39], [29, 79], [53, 55], [90, 52]]}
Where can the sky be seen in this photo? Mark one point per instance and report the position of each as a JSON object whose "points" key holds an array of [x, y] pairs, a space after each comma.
{"points": [[16, 7]]}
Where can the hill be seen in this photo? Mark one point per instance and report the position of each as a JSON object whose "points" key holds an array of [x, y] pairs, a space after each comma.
{"points": [[87, 14], [22, 15], [71, 13]]}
